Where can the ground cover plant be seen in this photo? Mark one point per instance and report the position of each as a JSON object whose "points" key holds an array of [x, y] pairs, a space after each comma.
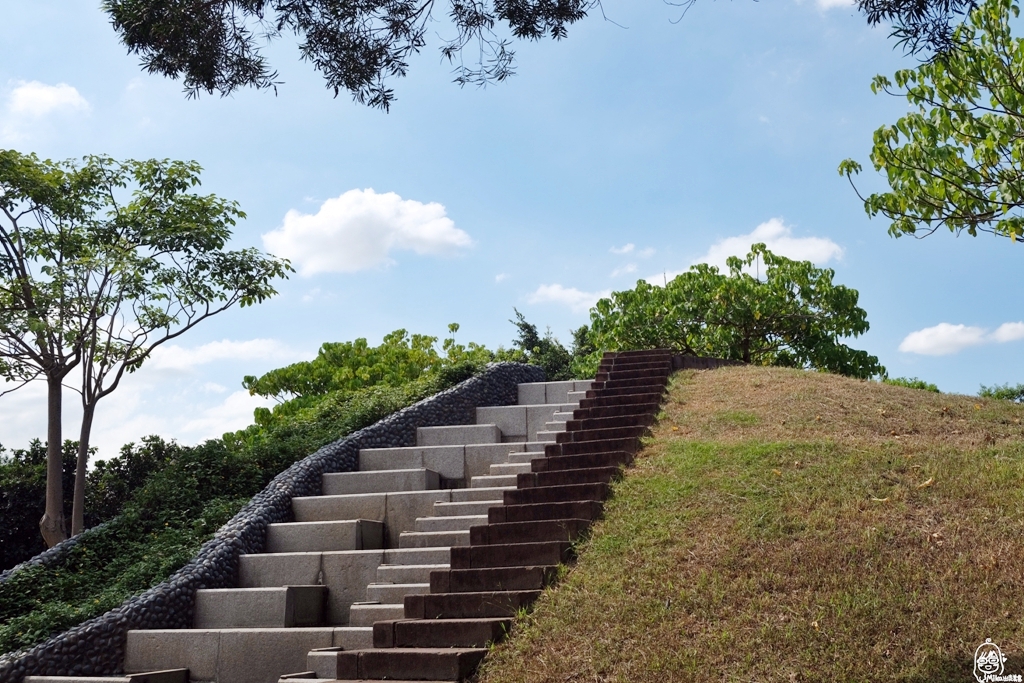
{"points": [[785, 525]]}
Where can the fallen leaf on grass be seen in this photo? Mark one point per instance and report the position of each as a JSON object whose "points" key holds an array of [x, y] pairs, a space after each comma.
{"points": [[880, 500], [778, 473], [926, 484]]}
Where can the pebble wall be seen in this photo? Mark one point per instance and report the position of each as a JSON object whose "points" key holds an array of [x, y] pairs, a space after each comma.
{"points": [[97, 647]]}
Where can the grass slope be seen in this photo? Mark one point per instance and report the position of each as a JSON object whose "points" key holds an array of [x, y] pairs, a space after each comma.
{"points": [[784, 525]]}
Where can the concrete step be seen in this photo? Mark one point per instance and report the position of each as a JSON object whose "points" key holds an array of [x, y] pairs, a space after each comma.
{"points": [[517, 423], [548, 436], [448, 461], [433, 539], [284, 607], [555, 426], [291, 537], [449, 523], [353, 637], [416, 556], [398, 510], [226, 655], [407, 573], [519, 458], [365, 613], [394, 593], [510, 468], [457, 435], [478, 507], [418, 479], [559, 416], [168, 676], [421, 664], [533, 393], [575, 396], [440, 632], [493, 579], [493, 481], [479, 494]]}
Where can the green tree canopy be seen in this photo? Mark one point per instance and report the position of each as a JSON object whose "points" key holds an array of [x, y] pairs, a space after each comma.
{"points": [[957, 159], [794, 317]]}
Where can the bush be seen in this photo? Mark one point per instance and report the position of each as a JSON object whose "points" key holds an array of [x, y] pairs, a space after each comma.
{"points": [[911, 383], [1004, 392]]}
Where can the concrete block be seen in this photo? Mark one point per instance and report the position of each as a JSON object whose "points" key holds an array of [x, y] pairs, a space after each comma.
{"points": [[461, 523], [417, 556], [537, 417], [360, 534], [511, 420], [510, 468], [555, 392], [478, 494], [404, 508], [480, 457], [323, 661], [365, 614], [465, 508], [346, 575], [561, 417], [582, 384], [457, 435], [331, 508], [407, 573], [494, 481], [341, 483], [394, 593], [433, 539], [574, 397], [353, 637], [189, 649], [448, 461], [263, 656], [281, 569], [281, 607], [531, 394], [524, 457]]}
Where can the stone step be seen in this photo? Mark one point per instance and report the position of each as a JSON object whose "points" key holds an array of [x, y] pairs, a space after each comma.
{"points": [[394, 593], [407, 573], [168, 676], [561, 417], [457, 435], [616, 411], [449, 523], [477, 507], [495, 481], [353, 637], [587, 435], [582, 461], [418, 479], [492, 579], [634, 420], [548, 437], [441, 632], [448, 461], [366, 613], [519, 458], [576, 509], [590, 475], [226, 655], [479, 494], [433, 539], [421, 664], [510, 468], [575, 396], [555, 426], [557, 494], [629, 444], [398, 510], [517, 423], [624, 373], [620, 399], [358, 534], [534, 393], [468, 605], [664, 365], [626, 387], [528, 532], [511, 555], [284, 607]]}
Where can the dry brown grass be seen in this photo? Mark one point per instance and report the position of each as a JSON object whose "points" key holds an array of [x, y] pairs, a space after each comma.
{"points": [[792, 526]]}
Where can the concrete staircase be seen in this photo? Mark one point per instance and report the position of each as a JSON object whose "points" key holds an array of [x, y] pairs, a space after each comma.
{"points": [[506, 557], [357, 553]]}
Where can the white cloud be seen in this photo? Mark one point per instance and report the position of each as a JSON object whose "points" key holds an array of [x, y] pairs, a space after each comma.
{"points": [[1008, 332], [829, 4], [234, 413], [646, 252], [779, 238], [578, 301], [628, 268], [945, 339], [500, 277], [180, 358], [35, 99], [358, 231], [625, 249]]}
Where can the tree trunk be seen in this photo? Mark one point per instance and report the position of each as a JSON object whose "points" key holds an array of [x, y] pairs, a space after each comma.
{"points": [[78, 507], [52, 524]]}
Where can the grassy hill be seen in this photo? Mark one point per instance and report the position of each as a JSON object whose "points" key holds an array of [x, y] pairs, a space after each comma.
{"points": [[784, 525]]}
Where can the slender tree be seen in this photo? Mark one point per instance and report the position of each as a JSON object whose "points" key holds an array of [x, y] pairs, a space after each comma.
{"points": [[138, 260]]}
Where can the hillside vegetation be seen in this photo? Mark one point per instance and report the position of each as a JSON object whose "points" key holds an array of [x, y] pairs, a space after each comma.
{"points": [[785, 525]]}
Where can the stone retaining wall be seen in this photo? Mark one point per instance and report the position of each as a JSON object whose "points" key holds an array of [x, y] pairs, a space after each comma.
{"points": [[98, 646]]}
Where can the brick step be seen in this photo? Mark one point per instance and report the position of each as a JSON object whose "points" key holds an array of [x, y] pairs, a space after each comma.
{"points": [[493, 579], [394, 593], [420, 664], [576, 509], [630, 445], [407, 573], [432, 539], [637, 419], [644, 383], [511, 555], [616, 411], [528, 532], [441, 632], [624, 374], [601, 434], [620, 397], [449, 523], [582, 461], [366, 613], [557, 494], [589, 475], [468, 605], [638, 353], [608, 366]]}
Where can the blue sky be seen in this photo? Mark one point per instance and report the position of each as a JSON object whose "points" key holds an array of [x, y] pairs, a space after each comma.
{"points": [[631, 149]]}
